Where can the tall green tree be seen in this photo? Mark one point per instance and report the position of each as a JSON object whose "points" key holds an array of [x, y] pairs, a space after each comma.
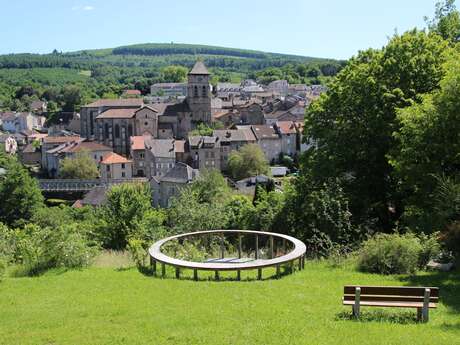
{"points": [[248, 161], [446, 21], [20, 194], [128, 214], [429, 141], [174, 74], [82, 166], [352, 125]]}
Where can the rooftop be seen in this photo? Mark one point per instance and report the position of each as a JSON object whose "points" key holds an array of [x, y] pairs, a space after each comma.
{"points": [[125, 102], [138, 142], [264, 132], [199, 68], [118, 113], [161, 147], [113, 158], [60, 140], [243, 134], [180, 173], [286, 127]]}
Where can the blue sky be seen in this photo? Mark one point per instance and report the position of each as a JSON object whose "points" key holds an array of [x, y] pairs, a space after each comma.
{"points": [[334, 28]]}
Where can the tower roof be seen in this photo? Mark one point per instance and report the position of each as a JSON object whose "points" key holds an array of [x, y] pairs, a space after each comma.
{"points": [[199, 68]]}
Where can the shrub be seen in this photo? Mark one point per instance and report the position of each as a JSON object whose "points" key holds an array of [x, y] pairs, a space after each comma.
{"points": [[390, 254], [3, 264], [451, 238], [129, 214], [138, 251], [40, 248], [430, 248]]}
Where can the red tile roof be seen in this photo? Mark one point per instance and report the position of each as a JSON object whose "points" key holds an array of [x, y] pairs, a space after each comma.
{"points": [[286, 127], [137, 143], [179, 146], [113, 158]]}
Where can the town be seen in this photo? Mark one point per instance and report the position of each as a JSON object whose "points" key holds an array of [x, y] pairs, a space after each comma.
{"points": [[155, 138], [187, 173]]}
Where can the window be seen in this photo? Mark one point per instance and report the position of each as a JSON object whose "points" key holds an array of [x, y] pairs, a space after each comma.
{"points": [[117, 131], [123, 174], [195, 91], [122, 165], [205, 91], [146, 123], [141, 155], [130, 130], [108, 168], [106, 130]]}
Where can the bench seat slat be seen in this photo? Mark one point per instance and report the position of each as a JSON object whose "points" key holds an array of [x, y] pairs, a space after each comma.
{"points": [[391, 304], [391, 290], [389, 298]]}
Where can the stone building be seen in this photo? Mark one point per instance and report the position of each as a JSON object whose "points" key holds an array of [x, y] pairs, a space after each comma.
{"points": [[138, 156], [269, 141], [199, 93], [288, 133], [160, 156], [204, 152], [114, 166], [90, 112], [169, 185], [232, 140]]}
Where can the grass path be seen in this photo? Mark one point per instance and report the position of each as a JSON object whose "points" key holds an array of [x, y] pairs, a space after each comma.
{"points": [[109, 306]]}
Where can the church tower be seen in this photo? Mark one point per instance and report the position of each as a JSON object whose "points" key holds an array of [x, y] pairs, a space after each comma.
{"points": [[199, 93]]}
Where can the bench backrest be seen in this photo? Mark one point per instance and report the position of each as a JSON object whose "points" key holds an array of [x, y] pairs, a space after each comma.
{"points": [[391, 293]]}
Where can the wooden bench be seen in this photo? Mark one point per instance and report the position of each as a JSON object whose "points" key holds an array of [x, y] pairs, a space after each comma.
{"points": [[422, 298]]}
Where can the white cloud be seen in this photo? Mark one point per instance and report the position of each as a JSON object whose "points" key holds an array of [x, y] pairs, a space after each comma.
{"points": [[83, 8]]}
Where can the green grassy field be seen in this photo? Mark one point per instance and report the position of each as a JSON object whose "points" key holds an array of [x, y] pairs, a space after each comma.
{"points": [[107, 305]]}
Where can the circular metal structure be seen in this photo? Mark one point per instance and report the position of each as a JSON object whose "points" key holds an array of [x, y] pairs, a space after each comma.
{"points": [[297, 253]]}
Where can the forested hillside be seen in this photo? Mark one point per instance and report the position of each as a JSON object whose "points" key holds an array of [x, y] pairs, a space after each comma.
{"points": [[92, 74]]}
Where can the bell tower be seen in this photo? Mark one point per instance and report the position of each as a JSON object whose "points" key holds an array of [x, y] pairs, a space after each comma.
{"points": [[199, 93]]}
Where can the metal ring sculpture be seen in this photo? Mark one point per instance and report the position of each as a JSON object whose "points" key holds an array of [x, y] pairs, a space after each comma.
{"points": [[297, 253]]}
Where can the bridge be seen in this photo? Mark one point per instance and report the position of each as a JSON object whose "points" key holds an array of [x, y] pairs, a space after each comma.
{"points": [[70, 185]]}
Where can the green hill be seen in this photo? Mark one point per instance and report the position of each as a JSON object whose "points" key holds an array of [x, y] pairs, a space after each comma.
{"points": [[107, 72]]}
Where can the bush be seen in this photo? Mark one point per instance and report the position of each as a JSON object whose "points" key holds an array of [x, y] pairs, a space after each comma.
{"points": [[3, 265], [451, 238], [430, 249], [41, 248], [390, 254], [138, 251]]}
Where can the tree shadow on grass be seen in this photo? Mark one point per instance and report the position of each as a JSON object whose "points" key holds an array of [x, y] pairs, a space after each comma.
{"points": [[448, 283], [223, 277], [400, 317]]}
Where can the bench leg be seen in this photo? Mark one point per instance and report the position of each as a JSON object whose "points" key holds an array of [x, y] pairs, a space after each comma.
{"points": [[356, 306], [419, 314], [195, 275]]}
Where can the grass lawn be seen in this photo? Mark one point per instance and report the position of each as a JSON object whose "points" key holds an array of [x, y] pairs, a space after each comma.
{"points": [[106, 305]]}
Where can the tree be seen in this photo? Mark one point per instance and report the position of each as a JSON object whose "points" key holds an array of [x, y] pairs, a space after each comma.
{"points": [[20, 194], [319, 215], [352, 125], [128, 214], [429, 141], [71, 98], [248, 161], [446, 21], [174, 74], [210, 187], [82, 166]]}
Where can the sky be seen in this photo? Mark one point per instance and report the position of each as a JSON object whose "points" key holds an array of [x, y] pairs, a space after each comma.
{"points": [[319, 28]]}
